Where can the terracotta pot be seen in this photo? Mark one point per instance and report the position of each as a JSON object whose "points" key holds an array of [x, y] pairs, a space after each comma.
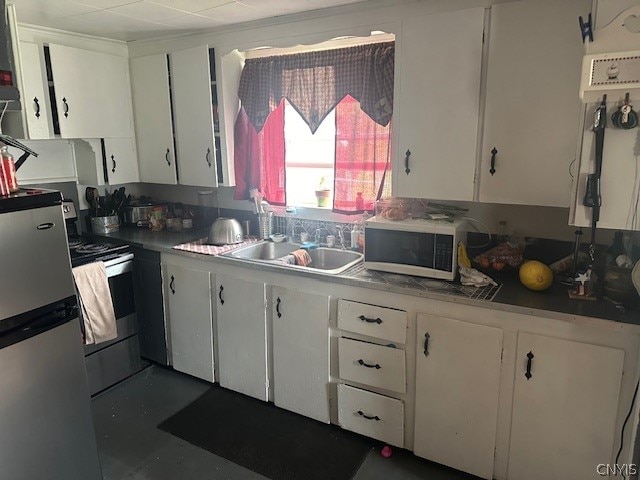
{"points": [[323, 197]]}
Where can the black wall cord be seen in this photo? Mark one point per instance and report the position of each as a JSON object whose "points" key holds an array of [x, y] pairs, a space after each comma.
{"points": [[633, 401]]}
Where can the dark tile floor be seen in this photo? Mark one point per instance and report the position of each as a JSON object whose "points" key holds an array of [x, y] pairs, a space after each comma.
{"points": [[131, 447]]}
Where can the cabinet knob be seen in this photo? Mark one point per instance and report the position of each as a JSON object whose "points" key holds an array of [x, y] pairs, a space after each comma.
{"points": [[35, 101], [370, 320], [364, 415], [368, 365], [407, 170], [494, 152], [529, 358]]}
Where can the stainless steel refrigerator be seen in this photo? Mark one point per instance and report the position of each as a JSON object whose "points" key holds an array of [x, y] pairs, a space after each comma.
{"points": [[46, 430]]}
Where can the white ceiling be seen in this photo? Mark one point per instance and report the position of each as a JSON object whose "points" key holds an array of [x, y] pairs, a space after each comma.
{"points": [[137, 19]]}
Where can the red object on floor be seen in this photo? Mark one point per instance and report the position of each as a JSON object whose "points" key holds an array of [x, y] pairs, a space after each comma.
{"points": [[386, 451]]}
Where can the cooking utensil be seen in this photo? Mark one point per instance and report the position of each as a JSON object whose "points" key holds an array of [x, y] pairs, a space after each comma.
{"points": [[225, 231]]}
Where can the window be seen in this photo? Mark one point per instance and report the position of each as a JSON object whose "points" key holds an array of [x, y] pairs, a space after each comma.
{"points": [[309, 157], [316, 121]]}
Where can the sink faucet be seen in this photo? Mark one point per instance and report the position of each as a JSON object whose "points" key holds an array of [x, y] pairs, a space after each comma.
{"points": [[341, 238]]}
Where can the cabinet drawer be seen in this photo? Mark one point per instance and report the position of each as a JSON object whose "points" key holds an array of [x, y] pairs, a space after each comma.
{"points": [[370, 414], [370, 364], [372, 320]]}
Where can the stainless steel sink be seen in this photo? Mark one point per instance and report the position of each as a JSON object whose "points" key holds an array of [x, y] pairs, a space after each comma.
{"points": [[264, 251], [327, 260]]}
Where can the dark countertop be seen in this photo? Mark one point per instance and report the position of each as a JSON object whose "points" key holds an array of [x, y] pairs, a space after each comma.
{"points": [[512, 295], [161, 241], [556, 299]]}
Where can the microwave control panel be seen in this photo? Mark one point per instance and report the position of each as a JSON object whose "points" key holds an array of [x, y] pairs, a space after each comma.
{"points": [[444, 253]]}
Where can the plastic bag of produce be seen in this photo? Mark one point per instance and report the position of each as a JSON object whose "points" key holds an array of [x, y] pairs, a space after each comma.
{"points": [[506, 254]]}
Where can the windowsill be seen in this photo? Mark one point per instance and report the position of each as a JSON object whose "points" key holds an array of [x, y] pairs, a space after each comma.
{"points": [[317, 213]]}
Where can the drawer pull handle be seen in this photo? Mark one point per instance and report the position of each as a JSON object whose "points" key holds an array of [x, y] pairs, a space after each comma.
{"points": [[426, 344], [278, 307], [529, 358], [166, 157], [407, 170], [220, 295], [365, 364], [364, 415], [370, 320], [173, 290], [35, 100]]}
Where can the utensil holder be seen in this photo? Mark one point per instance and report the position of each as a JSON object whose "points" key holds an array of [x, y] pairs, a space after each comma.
{"points": [[265, 224]]}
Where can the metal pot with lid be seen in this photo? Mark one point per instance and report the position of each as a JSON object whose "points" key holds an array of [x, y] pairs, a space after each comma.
{"points": [[225, 231]]}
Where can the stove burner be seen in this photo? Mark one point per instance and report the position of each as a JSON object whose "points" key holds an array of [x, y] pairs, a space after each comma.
{"points": [[92, 247], [74, 244]]}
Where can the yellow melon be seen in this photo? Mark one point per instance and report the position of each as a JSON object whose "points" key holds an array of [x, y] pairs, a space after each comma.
{"points": [[535, 275]]}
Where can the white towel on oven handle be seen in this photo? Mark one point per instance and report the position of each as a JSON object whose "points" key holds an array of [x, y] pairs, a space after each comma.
{"points": [[96, 306]]}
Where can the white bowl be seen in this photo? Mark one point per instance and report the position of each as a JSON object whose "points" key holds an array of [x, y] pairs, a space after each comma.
{"points": [[277, 237]]}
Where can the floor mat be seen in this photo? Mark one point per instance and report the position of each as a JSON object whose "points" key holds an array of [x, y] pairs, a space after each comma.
{"points": [[259, 436]]}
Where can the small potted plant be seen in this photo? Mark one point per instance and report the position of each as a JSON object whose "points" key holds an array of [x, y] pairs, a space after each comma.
{"points": [[323, 193]]}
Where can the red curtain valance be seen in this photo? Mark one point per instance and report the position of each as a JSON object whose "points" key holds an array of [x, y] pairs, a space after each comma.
{"points": [[315, 82]]}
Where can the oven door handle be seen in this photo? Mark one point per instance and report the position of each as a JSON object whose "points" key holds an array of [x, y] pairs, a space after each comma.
{"points": [[120, 267]]}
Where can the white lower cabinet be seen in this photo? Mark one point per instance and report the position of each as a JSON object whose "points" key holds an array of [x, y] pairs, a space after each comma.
{"points": [[242, 335], [301, 352], [564, 408], [188, 308], [371, 414], [457, 386]]}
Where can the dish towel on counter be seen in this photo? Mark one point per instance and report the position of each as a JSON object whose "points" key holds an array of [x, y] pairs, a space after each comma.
{"points": [[472, 277], [96, 306]]}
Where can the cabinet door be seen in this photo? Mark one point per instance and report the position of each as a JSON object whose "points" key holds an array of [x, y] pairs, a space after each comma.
{"points": [[242, 336], [188, 294], [120, 160], [191, 89], [532, 109], [457, 387], [54, 163], [564, 414], [92, 93], [35, 95], [441, 57], [301, 352], [152, 114]]}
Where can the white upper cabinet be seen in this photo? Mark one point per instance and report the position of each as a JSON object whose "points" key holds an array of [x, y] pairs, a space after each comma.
{"points": [[532, 105], [437, 115], [152, 113], [120, 161], [93, 95], [192, 106], [35, 93]]}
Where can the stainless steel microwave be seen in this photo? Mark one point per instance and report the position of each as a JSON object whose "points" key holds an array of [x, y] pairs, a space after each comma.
{"points": [[426, 248]]}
